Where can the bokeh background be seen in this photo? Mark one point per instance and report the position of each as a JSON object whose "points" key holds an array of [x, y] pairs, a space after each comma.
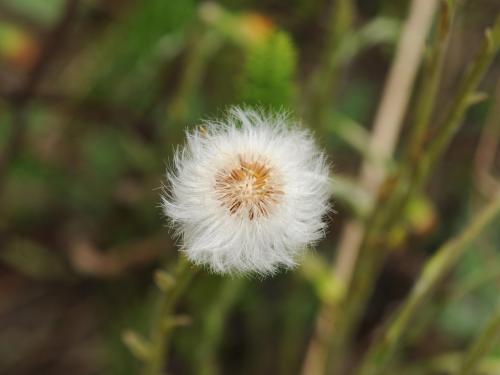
{"points": [[94, 97]]}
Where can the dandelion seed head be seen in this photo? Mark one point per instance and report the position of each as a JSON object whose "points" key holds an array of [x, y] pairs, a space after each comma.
{"points": [[248, 194]]}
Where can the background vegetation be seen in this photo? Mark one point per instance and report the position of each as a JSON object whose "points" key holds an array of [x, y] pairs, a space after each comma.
{"points": [[96, 94]]}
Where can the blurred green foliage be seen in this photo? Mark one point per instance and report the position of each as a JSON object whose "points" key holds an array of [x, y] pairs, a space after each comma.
{"points": [[42, 11], [112, 105], [130, 72]]}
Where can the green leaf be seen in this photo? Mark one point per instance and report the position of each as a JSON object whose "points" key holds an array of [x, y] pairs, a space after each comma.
{"points": [[269, 72]]}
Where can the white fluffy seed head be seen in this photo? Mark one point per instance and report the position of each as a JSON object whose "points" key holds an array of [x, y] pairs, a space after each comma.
{"points": [[248, 194]]}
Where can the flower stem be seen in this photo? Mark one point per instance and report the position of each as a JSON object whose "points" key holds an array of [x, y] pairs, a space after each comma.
{"points": [[466, 96], [435, 269], [163, 324], [213, 325], [431, 76]]}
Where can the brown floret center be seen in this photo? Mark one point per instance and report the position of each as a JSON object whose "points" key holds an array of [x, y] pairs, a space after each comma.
{"points": [[250, 187]]}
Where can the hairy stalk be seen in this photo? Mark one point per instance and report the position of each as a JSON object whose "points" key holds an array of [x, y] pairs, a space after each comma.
{"points": [[435, 269], [163, 323], [481, 345]]}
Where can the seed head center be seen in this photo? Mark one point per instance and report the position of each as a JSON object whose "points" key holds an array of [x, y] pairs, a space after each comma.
{"points": [[250, 187]]}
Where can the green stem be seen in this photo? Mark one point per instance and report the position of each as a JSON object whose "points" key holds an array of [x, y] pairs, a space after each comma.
{"points": [[213, 325], [414, 174], [416, 171], [463, 100], [399, 189], [481, 345], [373, 252], [435, 269], [487, 277], [162, 326], [431, 76], [410, 182], [360, 271]]}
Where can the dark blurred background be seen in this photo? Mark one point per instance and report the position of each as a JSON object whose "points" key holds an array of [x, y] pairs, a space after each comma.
{"points": [[94, 97]]}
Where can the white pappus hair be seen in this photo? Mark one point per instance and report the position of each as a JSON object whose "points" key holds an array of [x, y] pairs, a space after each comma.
{"points": [[248, 194]]}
